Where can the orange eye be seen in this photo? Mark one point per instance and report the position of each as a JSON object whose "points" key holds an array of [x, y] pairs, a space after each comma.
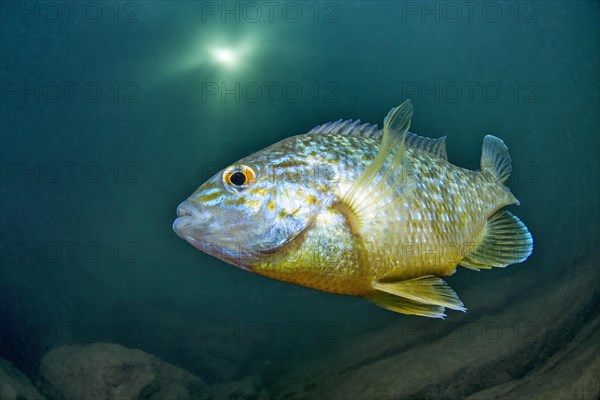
{"points": [[238, 177]]}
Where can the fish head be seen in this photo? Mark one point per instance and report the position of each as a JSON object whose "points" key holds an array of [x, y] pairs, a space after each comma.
{"points": [[252, 208]]}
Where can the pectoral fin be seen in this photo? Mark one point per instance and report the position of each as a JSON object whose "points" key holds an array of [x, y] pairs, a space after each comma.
{"points": [[426, 295]]}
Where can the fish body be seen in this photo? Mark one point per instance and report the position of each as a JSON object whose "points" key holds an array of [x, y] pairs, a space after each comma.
{"points": [[354, 210]]}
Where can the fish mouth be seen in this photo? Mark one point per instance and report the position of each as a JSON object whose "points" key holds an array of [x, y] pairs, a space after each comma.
{"points": [[183, 210], [189, 219], [188, 227], [181, 224], [228, 253]]}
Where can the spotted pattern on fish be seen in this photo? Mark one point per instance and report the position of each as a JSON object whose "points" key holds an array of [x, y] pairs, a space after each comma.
{"points": [[351, 209]]}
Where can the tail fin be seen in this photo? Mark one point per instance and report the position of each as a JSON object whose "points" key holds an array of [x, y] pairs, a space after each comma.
{"points": [[506, 240], [495, 159]]}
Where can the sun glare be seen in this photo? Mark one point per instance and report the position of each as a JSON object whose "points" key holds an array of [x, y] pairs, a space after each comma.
{"points": [[225, 56]]}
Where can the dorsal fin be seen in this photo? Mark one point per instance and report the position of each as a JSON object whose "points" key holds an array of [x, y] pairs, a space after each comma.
{"points": [[348, 127], [495, 159], [433, 146], [354, 128], [388, 175]]}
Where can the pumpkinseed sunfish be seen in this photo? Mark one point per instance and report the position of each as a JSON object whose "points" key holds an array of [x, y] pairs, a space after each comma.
{"points": [[351, 209]]}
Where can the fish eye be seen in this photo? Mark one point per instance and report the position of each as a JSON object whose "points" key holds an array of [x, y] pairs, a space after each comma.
{"points": [[238, 177]]}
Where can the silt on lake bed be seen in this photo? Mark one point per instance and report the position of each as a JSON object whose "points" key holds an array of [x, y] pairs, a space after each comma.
{"points": [[389, 218]]}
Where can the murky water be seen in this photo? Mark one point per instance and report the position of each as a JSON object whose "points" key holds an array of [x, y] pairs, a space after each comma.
{"points": [[114, 112]]}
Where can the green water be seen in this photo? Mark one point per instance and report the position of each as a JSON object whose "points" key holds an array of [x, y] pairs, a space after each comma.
{"points": [[113, 114]]}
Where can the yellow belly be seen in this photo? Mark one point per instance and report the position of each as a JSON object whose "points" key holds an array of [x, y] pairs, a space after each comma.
{"points": [[331, 258]]}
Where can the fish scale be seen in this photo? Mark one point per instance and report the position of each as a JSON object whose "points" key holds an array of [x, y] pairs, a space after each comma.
{"points": [[351, 209]]}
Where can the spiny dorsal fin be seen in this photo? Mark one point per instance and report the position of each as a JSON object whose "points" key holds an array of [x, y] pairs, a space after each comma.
{"points": [[425, 289], [505, 241], [386, 177], [495, 158], [354, 128], [433, 146], [348, 127]]}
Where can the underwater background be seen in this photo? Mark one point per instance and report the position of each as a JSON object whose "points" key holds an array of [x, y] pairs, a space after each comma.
{"points": [[112, 113]]}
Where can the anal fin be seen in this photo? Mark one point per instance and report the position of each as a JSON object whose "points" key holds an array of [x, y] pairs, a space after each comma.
{"points": [[505, 241], [405, 306], [426, 295]]}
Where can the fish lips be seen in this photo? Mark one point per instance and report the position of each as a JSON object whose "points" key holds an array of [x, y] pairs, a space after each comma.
{"points": [[186, 227]]}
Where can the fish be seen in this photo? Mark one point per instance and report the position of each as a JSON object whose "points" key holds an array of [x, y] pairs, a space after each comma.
{"points": [[351, 209]]}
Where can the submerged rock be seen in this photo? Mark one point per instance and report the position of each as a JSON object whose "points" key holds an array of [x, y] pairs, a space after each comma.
{"points": [[14, 385], [249, 388], [572, 373], [105, 371], [543, 344], [204, 344]]}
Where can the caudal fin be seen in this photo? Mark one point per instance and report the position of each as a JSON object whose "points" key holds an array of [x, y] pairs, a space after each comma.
{"points": [[506, 240]]}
